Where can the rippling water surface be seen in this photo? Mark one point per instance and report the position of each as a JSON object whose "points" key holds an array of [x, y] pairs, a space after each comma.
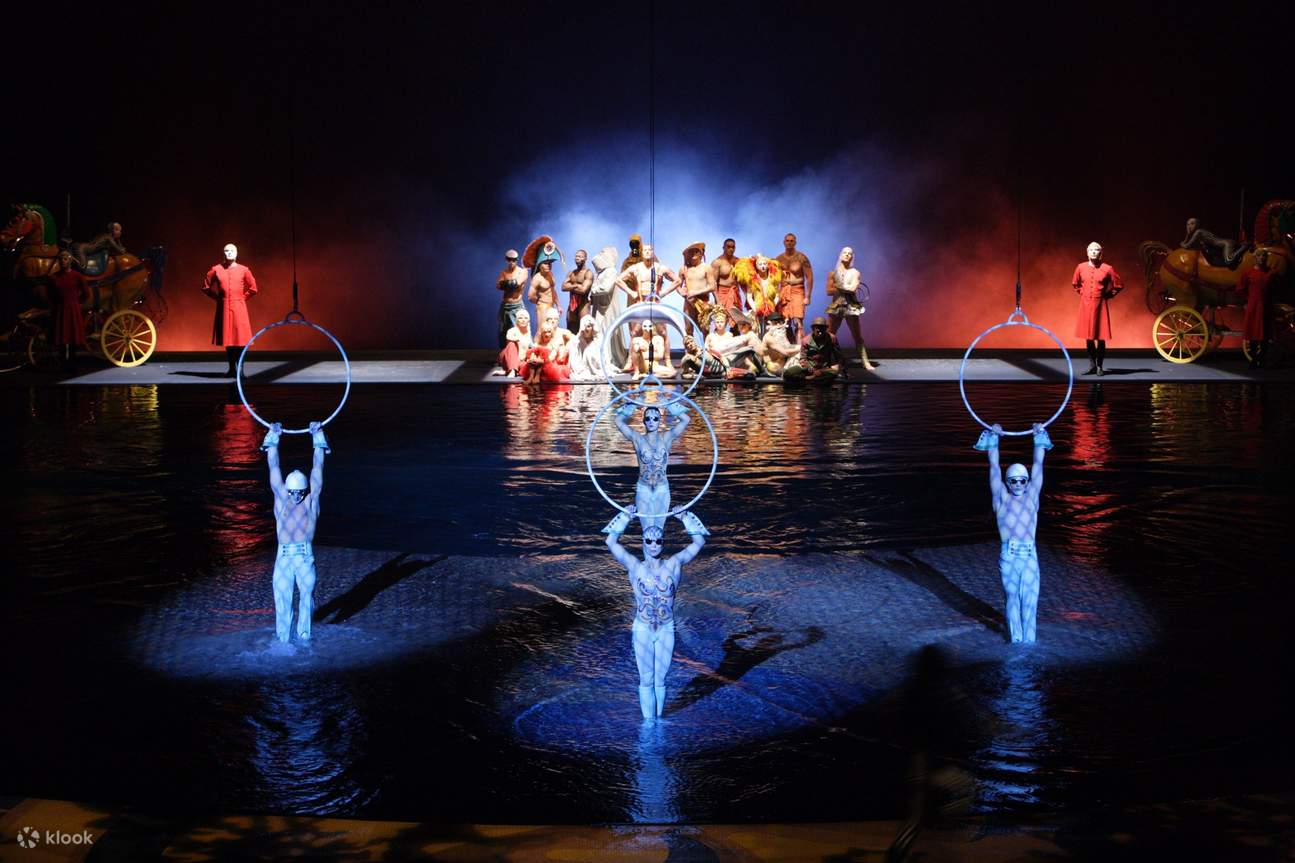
{"points": [[120, 500]]}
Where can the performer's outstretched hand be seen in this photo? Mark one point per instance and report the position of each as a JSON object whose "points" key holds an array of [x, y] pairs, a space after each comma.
{"points": [[272, 436], [997, 428], [692, 524]]}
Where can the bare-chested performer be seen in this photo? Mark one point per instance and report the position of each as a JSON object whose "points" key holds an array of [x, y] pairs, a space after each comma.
{"points": [[543, 292], [776, 348], [512, 279], [797, 290], [728, 293], [649, 275], [296, 512], [649, 353], [1016, 506], [656, 584], [652, 446], [697, 282], [577, 285]]}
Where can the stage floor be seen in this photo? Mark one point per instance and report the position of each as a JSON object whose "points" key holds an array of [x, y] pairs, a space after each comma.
{"points": [[473, 367]]}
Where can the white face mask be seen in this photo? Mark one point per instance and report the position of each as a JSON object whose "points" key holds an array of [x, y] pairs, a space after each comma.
{"points": [[231, 252]]}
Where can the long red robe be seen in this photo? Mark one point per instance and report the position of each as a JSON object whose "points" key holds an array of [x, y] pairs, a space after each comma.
{"points": [[1095, 285], [1254, 282], [230, 286], [69, 324]]}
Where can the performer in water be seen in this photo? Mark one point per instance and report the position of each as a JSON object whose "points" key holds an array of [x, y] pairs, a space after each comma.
{"points": [[655, 583], [1016, 506], [296, 512], [652, 494]]}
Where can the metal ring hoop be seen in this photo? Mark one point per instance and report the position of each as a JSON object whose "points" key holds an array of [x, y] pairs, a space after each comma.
{"points": [[613, 327], [1014, 321], [293, 317], [714, 462]]}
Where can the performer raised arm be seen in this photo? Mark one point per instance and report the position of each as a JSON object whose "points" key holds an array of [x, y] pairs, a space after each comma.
{"points": [[652, 493], [655, 583], [1016, 507], [296, 512]]}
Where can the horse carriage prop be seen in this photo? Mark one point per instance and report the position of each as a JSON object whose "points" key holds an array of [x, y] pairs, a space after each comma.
{"points": [[124, 306], [1189, 294]]}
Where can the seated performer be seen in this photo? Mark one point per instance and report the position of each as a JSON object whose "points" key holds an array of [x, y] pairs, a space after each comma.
{"points": [[698, 360], [649, 353], [1218, 251], [748, 348], [776, 347], [547, 358], [109, 241], [819, 360], [296, 511], [652, 493], [1016, 506], [517, 344], [655, 583], [586, 356]]}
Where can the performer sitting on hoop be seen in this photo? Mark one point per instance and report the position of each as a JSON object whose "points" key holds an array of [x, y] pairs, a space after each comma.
{"points": [[296, 511], [655, 583], [1016, 505], [652, 494]]}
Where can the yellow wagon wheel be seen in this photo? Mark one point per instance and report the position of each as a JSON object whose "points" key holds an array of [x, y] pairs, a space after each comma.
{"points": [[1180, 334], [128, 338]]}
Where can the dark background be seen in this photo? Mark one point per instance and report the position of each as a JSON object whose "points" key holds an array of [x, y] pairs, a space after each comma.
{"points": [[424, 140]]}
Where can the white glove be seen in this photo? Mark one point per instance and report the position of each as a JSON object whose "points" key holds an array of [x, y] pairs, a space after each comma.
{"points": [[692, 524], [320, 441], [618, 524], [271, 439], [987, 441], [677, 408], [1041, 439]]}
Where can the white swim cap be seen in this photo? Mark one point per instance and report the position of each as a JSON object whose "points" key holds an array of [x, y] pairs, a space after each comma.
{"points": [[1017, 469], [296, 481], [653, 531]]}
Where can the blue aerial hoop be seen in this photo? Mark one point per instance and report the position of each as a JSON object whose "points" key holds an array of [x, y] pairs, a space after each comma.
{"points": [[1016, 319], [628, 396], [297, 318]]}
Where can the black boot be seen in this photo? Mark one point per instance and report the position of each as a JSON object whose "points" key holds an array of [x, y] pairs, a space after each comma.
{"points": [[1101, 358], [231, 354], [1092, 357]]}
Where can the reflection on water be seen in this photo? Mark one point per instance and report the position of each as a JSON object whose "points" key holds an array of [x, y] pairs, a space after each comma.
{"points": [[654, 783], [120, 500]]}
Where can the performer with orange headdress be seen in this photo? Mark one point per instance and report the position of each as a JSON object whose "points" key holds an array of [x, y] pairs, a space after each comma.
{"points": [[762, 279]]}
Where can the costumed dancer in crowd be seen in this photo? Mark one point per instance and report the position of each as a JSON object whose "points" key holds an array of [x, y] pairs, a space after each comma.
{"points": [[776, 347], [728, 293], [698, 360], [231, 285], [517, 345], [296, 512], [1096, 282], [652, 446], [70, 291], [649, 353], [843, 285], [1217, 250], [762, 280], [820, 360], [540, 256], [1016, 506], [619, 347], [586, 358], [797, 290], [511, 282], [697, 285], [547, 358], [603, 288], [109, 241], [656, 584], [1255, 284], [577, 285]]}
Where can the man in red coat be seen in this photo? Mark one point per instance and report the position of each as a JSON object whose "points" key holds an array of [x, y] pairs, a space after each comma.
{"points": [[1096, 282], [1254, 283], [70, 291], [230, 284]]}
